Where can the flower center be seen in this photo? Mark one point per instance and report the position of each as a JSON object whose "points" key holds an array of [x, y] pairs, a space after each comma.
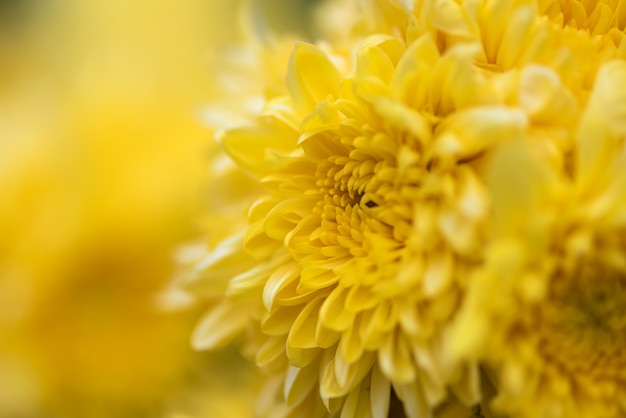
{"points": [[586, 326], [367, 186]]}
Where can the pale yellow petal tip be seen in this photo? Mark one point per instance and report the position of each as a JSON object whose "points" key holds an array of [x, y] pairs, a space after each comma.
{"points": [[311, 77], [220, 326]]}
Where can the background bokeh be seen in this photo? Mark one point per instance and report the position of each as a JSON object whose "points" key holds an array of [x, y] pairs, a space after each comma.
{"points": [[103, 155]]}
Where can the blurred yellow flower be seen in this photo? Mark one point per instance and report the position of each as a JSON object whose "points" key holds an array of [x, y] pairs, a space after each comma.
{"points": [[101, 169], [546, 311], [431, 197]]}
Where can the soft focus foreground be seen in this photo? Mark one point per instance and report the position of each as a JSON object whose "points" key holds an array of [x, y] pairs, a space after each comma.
{"points": [[433, 219], [102, 162]]}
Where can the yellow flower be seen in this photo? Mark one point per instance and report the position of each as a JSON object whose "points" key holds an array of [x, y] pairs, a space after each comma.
{"points": [[546, 311], [247, 73], [350, 266], [100, 170], [416, 189], [516, 33]]}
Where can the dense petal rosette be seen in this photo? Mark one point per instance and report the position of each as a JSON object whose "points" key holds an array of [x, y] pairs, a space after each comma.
{"points": [[358, 249], [370, 215], [427, 206], [555, 333]]}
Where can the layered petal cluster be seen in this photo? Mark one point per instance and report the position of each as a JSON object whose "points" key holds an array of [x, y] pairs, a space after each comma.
{"points": [[546, 310], [436, 218], [352, 263]]}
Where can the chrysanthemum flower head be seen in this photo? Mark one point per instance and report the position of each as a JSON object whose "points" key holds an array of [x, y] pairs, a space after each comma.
{"points": [[407, 195], [351, 262], [547, 306]]}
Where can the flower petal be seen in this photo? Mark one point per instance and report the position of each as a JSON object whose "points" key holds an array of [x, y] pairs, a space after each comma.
{"points": [[299, 382], [380, 393], [395, 361], [333, 312], [311, 77], [603, 125], [411, 395], [438, 275], [250, 146], [271, 350], [220, 326], [302, 332], [282, 277]]}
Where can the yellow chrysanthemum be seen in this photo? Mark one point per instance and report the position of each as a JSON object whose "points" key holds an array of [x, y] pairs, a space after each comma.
{"points": [[409, 217], [357, 240], [547, 309], [350, 264], [510, 33]]}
